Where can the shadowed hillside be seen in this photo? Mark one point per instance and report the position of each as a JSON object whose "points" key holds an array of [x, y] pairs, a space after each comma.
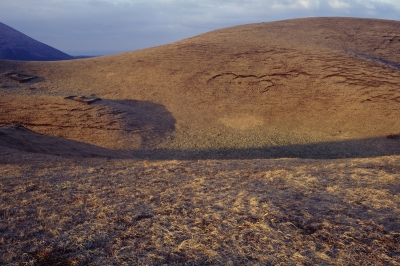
{"points": [[21, 139], [15, 45], [260, 86]]}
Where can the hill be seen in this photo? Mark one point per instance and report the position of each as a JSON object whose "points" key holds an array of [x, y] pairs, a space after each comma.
{"points": [[260, 89], [15, 45], [221, 101]]}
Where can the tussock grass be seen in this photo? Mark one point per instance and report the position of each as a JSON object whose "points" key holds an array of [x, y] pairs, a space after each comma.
{"points": [[297, 88], [232, 212]]}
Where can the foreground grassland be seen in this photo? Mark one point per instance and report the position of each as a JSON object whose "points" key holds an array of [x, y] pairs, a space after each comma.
{"points": [[247, 212]]}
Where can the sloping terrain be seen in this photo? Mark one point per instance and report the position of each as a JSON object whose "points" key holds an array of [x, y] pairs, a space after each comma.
{"points": [[308, 88], [57, 211], [251, 87], [19, 138], [15, 45]]}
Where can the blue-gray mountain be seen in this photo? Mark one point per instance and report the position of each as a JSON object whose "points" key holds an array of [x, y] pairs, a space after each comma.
{"points": [[15, 45]]}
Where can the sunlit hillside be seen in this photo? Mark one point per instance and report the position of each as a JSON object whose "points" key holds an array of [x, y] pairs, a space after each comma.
{"points": [[280, 84], [265, 144]]}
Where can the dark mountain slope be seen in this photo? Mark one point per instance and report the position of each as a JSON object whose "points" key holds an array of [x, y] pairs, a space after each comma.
{"points": [[15, 45]]}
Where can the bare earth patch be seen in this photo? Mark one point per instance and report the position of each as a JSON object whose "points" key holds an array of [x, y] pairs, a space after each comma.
{"points": [[284, 211]]}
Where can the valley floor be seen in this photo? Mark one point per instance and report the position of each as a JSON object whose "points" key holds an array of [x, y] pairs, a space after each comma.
{"points": [[56, 211]]}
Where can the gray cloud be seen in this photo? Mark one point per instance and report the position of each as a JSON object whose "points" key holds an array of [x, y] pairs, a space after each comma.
{"points": [[112, 26]]}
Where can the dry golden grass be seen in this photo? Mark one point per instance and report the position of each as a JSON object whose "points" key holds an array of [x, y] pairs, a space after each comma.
{"points": [[308, 88], [234, 212], [269, 84]]}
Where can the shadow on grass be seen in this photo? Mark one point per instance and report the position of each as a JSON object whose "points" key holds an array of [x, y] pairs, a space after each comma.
{"points": [[23, 139], [152, 121], [360, 148]]}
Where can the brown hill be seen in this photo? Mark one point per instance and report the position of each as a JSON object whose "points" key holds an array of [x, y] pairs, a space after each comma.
{"points": [[251, 88], [15, 45], [22, 139], [302, 88]]}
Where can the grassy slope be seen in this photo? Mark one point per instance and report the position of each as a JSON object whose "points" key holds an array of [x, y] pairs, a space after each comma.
{"points": [[290, 82], [270, 84], [237, 212]]}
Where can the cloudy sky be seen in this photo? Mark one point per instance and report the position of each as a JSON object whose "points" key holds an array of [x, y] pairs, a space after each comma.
{"points": [[99, 27]]}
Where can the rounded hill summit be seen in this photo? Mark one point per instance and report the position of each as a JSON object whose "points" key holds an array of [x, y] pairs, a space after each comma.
{"points": [[322, 86]]}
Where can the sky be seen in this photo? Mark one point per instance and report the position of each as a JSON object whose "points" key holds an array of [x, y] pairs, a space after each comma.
{"points": [[101, 27]]}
